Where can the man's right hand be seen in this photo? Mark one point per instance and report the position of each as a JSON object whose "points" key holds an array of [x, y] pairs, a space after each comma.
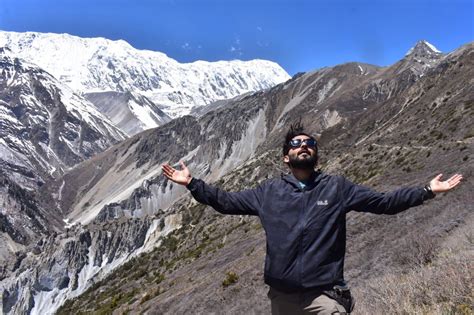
{"points": [[182, 177]]}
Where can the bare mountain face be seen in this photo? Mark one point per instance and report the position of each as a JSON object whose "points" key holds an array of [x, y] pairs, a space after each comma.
{"points": [[91, 65], [137, 243], [130, 112], [45, 130]]}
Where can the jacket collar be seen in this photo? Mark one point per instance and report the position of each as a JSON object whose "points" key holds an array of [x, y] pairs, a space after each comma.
{"points": [[313, 181]]}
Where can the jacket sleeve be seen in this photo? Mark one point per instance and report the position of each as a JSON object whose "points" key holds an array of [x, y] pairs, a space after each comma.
{"points": [[242, 202], [363, 199]]}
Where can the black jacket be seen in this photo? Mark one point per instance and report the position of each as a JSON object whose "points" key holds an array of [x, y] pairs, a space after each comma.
{"points": [[305, 228]]}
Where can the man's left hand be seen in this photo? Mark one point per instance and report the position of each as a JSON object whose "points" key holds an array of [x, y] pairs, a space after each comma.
{"points": [[438, 186]]}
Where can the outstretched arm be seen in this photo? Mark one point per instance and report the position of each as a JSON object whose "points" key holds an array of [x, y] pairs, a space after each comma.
{"points": [[360, 198], [242, 202]]}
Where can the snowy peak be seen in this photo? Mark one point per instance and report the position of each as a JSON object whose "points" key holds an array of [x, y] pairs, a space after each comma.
{"points": [[46, 127], [419, 59], [423, 49], [90, 65]]}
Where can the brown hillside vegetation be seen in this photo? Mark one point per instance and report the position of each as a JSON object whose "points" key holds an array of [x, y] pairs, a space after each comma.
{"points": [[416, 262]]}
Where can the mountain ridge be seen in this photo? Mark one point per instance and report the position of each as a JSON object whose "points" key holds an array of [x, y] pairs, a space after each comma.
{"points": [[384, 128], [100, 65]]}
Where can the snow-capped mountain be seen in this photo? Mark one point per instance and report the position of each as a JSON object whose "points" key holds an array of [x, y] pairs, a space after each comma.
{"points": [[46, 127], [423, 48], [422, 56], [102, 65]]}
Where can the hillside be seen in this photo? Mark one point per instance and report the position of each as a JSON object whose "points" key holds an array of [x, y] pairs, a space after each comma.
{"points": [[137, 243], [214, 263]]}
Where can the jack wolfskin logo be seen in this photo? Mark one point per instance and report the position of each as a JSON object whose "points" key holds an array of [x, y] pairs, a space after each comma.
{"points": [[322, 202]]}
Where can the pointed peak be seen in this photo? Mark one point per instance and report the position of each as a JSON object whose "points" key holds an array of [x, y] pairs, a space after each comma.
{"points": [[423, 48]]}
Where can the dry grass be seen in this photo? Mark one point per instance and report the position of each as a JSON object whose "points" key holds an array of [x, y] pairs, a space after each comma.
{"points": [[443, 286]]}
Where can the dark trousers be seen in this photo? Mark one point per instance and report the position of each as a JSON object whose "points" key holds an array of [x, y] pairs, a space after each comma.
{"points": [[311, 302]]}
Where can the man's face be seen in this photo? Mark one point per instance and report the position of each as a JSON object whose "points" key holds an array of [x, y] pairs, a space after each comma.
{"points": [[302, 157]]}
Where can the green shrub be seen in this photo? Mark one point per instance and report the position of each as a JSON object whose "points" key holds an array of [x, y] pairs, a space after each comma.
{"points": [[231, 278], [170, 243], [158, 277]]}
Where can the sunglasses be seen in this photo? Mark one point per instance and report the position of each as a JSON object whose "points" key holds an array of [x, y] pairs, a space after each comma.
{"points": [[296, 143]]}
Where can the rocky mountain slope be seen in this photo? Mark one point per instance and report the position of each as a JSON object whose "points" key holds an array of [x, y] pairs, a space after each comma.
{"points": [[382, 127], [100, 65], [62, 127], [46, 129], [130, 112], [48, 126]]}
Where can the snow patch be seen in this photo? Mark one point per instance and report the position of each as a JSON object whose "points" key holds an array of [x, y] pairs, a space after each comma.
{"points": [[433, 48]]}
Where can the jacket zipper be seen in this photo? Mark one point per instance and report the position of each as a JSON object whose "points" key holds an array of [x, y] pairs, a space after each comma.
{"points": [[303, 231]]}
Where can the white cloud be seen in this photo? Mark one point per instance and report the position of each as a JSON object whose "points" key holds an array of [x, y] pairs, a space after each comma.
{"points": [[188, 47], [236, 50], [236, 47]]}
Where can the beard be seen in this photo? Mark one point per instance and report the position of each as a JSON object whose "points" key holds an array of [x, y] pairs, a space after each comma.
{"points": [[303, 163]]}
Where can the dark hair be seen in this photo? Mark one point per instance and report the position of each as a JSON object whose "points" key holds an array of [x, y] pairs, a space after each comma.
{"points": [[296, 129]]}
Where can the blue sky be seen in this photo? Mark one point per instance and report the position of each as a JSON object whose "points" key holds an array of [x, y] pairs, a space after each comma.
{"points": [[299, 35]]}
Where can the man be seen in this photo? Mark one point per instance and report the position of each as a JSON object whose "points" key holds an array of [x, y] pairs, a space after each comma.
{"points": [[303, 215]]}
